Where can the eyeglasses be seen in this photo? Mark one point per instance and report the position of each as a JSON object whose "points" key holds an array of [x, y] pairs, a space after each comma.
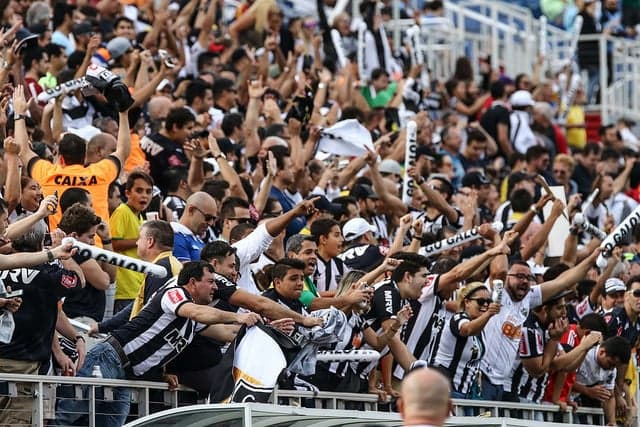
{"points": [[207, 217], [636, 293], [522, 276], [481, 301], [242, 220]]}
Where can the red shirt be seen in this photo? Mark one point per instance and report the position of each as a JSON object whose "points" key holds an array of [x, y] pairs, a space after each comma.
{"points": [[569, 341]]}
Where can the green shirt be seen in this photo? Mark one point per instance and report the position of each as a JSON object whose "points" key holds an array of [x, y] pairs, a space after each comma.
{"points": [[382, 98], [309, 293]]}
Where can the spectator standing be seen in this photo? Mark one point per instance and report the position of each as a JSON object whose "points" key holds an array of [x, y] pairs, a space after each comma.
{"points": [[178, 191], [125, 225], [521, 135], [330, 268], [199, 213]]}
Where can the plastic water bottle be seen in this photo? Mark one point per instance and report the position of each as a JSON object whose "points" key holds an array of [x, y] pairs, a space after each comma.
{"points": [[96, 372], [498, 290]]}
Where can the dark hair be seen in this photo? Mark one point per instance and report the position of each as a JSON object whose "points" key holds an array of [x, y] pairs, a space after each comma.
{"points": [[497, 89], [603, 129], [411, 263], [161, 232], [54, 49], [228, 208], [138, 174], [216, 188], [281, 267], [593, 322], [632, 280], [238, 54], [216, 250], [619, 348], [322, 227], [463, 69], [521, 200], [73, 149], [238, 232], [280, 153], [591, 148], [120, 19], [230, 122], [220, 85], [535, 152], [178, 117], [60, 11], [193, 270], [443, 265], [196, 89], [174, 176], [475, 135], [518, 79], [274, 129], [378, 72], [112, 188], [205, 58], [73, 195], [79, 219], [584, 288], [554, 271]]}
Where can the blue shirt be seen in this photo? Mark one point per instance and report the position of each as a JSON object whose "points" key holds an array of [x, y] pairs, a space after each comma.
{"points": [[186, 245], [287, 204]]}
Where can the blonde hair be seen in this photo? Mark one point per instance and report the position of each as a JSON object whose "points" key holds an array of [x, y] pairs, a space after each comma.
{"points": [[348, 280], [261, 10], [566, 160], [468, 290]]}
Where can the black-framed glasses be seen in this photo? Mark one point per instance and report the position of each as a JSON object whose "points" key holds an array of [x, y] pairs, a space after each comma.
{"points": [[207, 217], [242, 220], [636, 293], [522, 276], [481, 301]]}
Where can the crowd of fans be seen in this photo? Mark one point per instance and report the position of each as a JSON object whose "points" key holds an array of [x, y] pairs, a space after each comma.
{"points": [[212, 172]]}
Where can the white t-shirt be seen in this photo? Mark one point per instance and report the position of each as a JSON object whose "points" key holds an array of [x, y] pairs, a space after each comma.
{"points": [[502, 334], [590, 373]]}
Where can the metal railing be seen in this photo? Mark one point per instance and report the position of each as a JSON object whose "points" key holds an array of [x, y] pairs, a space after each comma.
{"points": [[150, 397]]}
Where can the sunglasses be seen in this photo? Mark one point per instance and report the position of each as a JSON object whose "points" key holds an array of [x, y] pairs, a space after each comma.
{"points": [[242, 220], [207, 217], [636, 293], [522, 276], [481, 301]]}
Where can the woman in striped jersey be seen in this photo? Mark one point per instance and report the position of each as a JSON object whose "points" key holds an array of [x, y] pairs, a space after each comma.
{"points": [[462, 345], [340, 376]]}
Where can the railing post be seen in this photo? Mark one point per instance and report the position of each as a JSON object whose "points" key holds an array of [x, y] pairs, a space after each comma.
{"points": [[92, 406], [37, 413], [604, 77]]}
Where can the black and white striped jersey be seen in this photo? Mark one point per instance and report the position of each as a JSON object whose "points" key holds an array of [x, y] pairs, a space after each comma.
{"points": [[328, 273], [422, 332], [386, 302], [532, 343], [351, 339], [459, 356], [157, 334]]}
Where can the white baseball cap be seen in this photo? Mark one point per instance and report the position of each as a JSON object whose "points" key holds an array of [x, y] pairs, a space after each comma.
{"points": [[521, 98], [355, 228]]}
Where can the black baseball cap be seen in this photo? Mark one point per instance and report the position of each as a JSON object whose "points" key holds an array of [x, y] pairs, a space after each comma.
{"points": [[474, 179], [363, 191], [325, 205]]}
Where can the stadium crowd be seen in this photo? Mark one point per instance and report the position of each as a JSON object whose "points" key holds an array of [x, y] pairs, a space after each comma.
{"points": [[198, 150]]}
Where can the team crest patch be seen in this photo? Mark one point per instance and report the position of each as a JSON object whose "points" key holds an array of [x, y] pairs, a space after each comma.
{"points": [[175, 296], [524, 311], [69, 281]]}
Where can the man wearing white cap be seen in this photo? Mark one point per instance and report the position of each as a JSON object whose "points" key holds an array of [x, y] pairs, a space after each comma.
{"points": [[614, 290], [521, 135], [362, 253]]}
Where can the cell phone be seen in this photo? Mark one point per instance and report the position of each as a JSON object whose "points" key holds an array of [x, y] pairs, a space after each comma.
{"points": [[53, 209], [14, 294]]}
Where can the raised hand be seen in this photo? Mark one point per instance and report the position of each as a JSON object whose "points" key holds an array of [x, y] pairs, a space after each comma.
{"points": [[557, 328], [19, 101], [306, 207], [193, 148], [256, 89], [404, 314]]}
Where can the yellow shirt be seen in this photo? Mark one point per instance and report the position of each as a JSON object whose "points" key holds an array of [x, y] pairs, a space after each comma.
{"points": [[125, 225], [576, 137], [94, 178], [176, 266]]}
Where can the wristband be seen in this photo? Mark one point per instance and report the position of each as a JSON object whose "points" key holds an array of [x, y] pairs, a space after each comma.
{"points": [[17, 117], [106, 242], [50, 256], [533, 209], [417, 237]]}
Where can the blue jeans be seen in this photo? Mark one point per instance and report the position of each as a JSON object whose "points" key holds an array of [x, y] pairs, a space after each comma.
{"points": [[108, 413], [490, 391], [468, 412]]}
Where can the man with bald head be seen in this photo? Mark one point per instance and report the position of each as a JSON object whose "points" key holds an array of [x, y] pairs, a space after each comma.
{"points": [[424, 399], [100, 147], [159, 107], [199, 213]]}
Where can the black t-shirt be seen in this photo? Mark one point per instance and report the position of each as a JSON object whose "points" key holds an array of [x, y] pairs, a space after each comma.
{"points": [[88, 301], [204, 352], [386, 302], [162, 154], [363, 257], [620, 325], [495, 115], [153, 283], [293, 304], [35, 321]]}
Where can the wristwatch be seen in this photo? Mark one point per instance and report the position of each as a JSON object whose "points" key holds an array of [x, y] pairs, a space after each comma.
{"points": [[17, 117]]}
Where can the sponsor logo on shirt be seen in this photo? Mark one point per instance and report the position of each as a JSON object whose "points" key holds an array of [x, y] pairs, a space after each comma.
{"points": [[388, 302], [75, 181], [69, 281], [175, 296], [511, 331]]}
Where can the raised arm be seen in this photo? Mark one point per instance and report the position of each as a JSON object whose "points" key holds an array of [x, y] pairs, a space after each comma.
{"points": [[277, 225], [226, 171], [12, 187], [568, 278], [20, 130], [123, 146], [250, 128], [540, 238]]}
